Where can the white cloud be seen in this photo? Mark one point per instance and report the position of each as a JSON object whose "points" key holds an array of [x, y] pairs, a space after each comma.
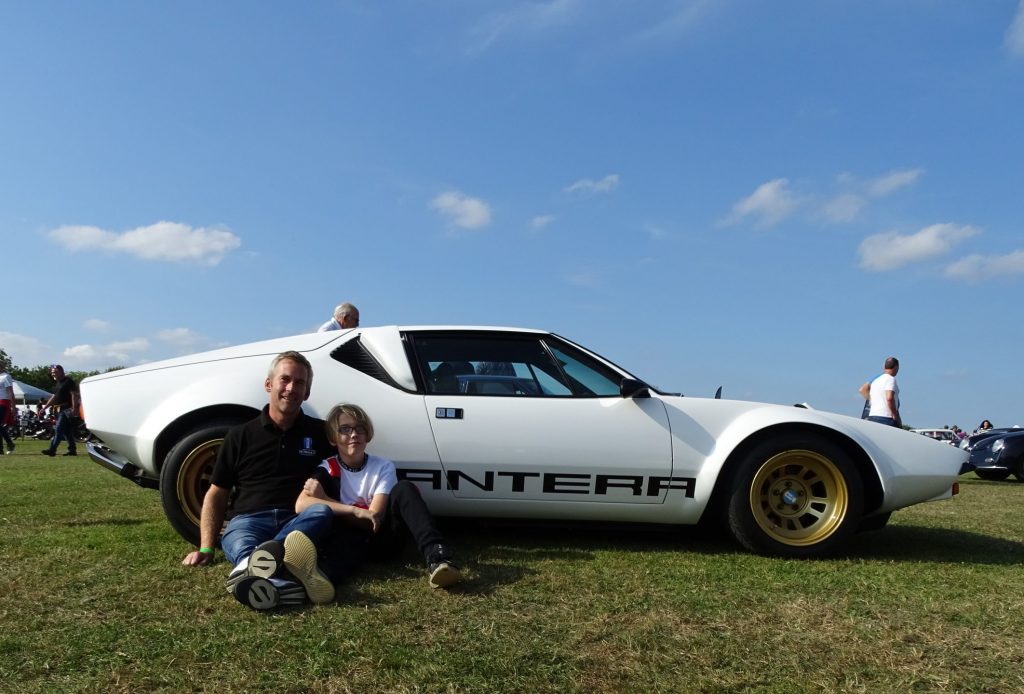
{"points": [[541, 221], [182, 338], [846, 206], [977, 268], [165, 241], [102, 356], [583, 277], [462, 210], [25, 351], [768, 205], [96, 325], [893, 181], [889, 251], [525, 19], [1015, 33], [687, 14], [587, 185], [843, 208]]}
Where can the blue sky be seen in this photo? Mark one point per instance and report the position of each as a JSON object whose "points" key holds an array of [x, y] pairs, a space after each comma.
{"points": [[771, 197]]}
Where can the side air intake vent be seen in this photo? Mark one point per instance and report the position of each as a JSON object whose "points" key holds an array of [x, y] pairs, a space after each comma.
{"points": [[354, 355]]}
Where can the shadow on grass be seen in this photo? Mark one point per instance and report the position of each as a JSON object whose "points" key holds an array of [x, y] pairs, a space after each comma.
{"points": [[909, 543], [104, 521], [905, 543]]}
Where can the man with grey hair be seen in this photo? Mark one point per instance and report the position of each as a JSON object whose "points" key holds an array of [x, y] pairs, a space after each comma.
{"points": [[346, 316]]}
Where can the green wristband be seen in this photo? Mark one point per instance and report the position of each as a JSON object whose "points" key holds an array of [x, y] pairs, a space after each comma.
{"points": [[206, 550]]}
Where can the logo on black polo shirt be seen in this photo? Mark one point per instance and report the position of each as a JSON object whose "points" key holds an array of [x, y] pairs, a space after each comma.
{"points": [[307, 447]]}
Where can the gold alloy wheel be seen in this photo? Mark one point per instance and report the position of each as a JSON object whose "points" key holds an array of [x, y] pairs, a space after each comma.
{"points": [[194, 478], [799, 498]]}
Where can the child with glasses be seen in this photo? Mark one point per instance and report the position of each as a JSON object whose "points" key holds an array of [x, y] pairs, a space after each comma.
{"points": [[375, 514]]}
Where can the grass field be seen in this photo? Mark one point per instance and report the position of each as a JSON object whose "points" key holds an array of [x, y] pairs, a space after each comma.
{"points": [[93, 597]]}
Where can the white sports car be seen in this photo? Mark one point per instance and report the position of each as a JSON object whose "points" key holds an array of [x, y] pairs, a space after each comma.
{"points": [[519, 423]]}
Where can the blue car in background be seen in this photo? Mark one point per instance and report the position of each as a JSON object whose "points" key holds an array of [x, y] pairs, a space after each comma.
{"points": [[997, 456]]}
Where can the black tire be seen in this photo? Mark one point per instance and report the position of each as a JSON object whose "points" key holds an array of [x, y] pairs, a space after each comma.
{"points": [[795, 496], [185, 477], [992, 475]]}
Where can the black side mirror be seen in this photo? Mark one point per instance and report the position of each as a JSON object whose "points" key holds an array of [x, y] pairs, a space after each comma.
{"points": [[632, 388]]}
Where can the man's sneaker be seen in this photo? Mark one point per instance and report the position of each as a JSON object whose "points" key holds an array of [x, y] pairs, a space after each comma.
{"points": [[300, 559], [289, 593], [264, 562], [70, 453], [47, 451], [257, 593], [10, 451], [266, 559], [441, 567]]}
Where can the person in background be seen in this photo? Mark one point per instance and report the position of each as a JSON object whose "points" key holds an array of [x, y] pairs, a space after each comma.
{"points": [[984, 426], [66, 402], [884, 395], [6, 408], [345, 316], [375, 514]]}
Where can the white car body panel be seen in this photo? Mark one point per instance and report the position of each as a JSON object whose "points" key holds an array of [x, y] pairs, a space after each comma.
{"points": [[650, 459]]}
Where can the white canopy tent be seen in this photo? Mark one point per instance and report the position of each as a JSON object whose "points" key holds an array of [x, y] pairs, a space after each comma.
{"points": [[23, 393]]}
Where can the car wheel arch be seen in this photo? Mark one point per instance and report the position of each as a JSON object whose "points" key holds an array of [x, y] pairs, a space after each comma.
{"points": [[187, 423], [873, 493]]}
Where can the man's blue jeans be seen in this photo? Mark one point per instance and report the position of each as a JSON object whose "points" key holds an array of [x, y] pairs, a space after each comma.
{"points": [[883, 420], [64, 429], [248, 530]]}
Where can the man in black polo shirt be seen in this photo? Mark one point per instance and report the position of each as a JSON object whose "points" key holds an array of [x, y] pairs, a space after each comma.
{"points": [[66, 402], [266, 461]]}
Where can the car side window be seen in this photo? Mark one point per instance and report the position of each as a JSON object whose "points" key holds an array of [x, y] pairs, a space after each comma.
{"points": [[587, 376], [510, 366]]}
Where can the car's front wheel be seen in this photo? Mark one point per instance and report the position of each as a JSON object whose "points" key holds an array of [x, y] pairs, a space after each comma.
{"points": [[796, 496], [185, 477]]}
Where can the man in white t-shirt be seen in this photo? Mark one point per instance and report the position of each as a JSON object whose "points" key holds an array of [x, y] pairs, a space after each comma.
{"points": [[884, 395], [345, 316]]}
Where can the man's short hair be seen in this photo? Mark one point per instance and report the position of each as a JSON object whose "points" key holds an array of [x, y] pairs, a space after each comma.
{"points": [[343, 310], [299, 359], [892, 363]]}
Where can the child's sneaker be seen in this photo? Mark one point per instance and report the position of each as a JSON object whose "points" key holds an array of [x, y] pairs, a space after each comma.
{"points": [[441, 567], [300, 559]]}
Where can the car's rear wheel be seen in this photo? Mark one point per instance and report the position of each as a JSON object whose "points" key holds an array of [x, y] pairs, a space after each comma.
{"points": [[185, 477], [798, 495], [992, 475]]}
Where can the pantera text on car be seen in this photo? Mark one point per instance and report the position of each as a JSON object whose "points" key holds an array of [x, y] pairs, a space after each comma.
{"points": [[519, 423]]}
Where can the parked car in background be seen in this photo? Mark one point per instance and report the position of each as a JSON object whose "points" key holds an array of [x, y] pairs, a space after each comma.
{"points": [[945, 435], [997, 457], [973, 440], [517, 423]]}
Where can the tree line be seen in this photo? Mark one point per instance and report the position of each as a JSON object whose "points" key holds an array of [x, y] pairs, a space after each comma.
{"points": [[39, 376]]}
